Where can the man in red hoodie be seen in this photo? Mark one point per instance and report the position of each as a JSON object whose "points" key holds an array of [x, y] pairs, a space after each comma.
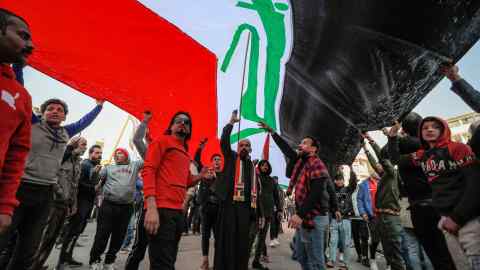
{"points": [[16, 110], [166, 177], [453, 173]]}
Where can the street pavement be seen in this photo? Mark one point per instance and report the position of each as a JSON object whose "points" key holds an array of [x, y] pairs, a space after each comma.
{"points": [[189, 256]]}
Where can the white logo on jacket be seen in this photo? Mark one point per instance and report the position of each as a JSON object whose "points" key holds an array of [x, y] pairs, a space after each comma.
{"points": [[9, 99]]}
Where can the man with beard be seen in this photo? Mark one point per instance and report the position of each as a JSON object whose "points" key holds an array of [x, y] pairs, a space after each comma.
{"points": [[85, 202], [238, 203], [326, 202], [166, 178], [65, 198], [16, 109]]}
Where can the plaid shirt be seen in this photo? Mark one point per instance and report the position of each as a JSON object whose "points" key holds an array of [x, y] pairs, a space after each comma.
{"points": [[312, 168]]}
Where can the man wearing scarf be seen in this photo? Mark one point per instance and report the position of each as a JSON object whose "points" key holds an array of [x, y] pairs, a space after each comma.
{"points": [[238, 203]]}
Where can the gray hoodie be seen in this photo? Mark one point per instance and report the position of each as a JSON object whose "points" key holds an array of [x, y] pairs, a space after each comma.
{"points": [[120, 181]]}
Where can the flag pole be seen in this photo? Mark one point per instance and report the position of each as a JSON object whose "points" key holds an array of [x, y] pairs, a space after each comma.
{"points": [[243, 85]]}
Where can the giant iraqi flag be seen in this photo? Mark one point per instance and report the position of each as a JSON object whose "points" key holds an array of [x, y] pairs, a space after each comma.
{"points": [[326, 68]]}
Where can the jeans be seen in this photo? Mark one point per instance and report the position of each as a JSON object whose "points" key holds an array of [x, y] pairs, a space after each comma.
{"points": [[390, 229], [130, 231], [340, 236], [310, 247], [412, 252]]}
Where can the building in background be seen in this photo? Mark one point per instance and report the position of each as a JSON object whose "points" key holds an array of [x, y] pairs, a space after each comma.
{"points": [[459, 126]]}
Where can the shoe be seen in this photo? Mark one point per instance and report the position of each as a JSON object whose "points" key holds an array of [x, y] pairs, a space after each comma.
{"points": [[373, 265], [365, 262], [330, 264], [340, 258], [72, 263], [258, 265], [272, 243], [108, 267], [277, 243], [96, 266]]}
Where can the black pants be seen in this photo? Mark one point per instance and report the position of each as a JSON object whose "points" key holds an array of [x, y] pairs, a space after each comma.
{"points": [[360, 237], [75, 227], [209, 221], [140, 245], [425, 220], [30, 219], [275, 227], [163, 247], [374, 236], [56, 220], [193, 219], [112, 223], [261, 248]]}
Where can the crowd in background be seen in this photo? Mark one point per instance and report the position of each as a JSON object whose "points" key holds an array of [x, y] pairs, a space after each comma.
{"points": [[419, 207]]}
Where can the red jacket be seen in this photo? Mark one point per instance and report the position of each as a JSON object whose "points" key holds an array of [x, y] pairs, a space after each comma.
{"points": [[15, 132], [166, 172], [453, 172]]}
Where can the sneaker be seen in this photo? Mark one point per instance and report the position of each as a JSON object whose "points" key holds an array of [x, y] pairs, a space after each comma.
{"points": [[96, 266], [330, 264], [340, 258], [72, 263], [373, 265], [366, 262], [272, 243], [108, 267], [276, 242], [258, 265]]}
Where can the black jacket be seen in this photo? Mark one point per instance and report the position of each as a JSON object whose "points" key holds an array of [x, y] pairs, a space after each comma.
{"points": [[87, 182]]}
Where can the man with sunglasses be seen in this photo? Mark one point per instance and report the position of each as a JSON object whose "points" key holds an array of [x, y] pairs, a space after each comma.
{"points": [[166, 176]]}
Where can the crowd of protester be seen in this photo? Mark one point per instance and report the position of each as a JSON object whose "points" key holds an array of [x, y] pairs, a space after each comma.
{"points": [[419, 208]]}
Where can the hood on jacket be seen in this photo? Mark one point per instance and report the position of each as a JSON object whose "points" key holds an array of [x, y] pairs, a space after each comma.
{"points": [[445, 136], [125, 152], [260, 164], [411, 123]]}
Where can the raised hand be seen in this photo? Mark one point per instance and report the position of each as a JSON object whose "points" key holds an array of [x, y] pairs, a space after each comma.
{"points": [[100, 102], [234, 119], [203, 142], [393, 132], [265, 126], [451, 72]]}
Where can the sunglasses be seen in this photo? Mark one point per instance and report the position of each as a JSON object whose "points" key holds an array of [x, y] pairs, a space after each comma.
{"points": [[184, 121]]}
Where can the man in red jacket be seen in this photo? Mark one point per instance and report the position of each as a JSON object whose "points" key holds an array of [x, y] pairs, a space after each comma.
{"points": [[166, 177], [15, 109]]}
